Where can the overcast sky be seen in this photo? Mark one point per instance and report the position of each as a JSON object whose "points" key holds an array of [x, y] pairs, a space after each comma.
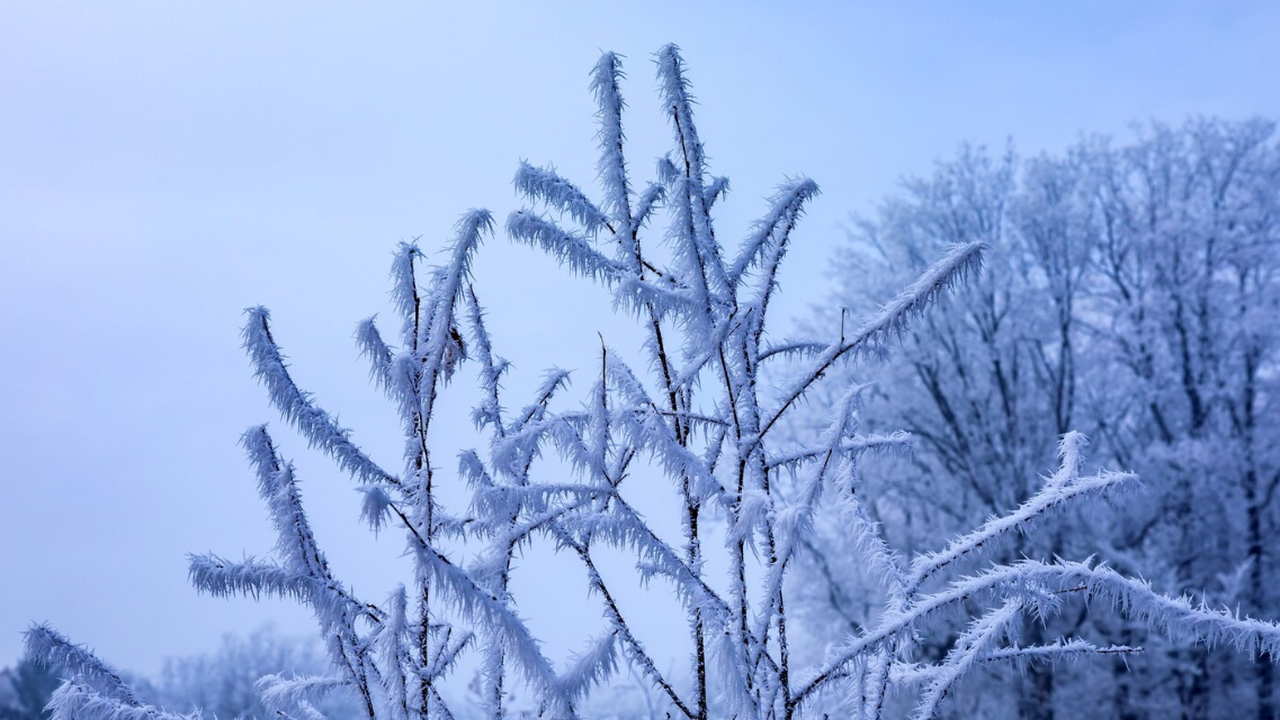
{"points": [[164, 165]]}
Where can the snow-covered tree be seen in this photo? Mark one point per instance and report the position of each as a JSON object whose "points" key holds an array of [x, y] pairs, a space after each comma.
{"points": [[1125, 294], [223, 683], [694, 408], [25, 690]]}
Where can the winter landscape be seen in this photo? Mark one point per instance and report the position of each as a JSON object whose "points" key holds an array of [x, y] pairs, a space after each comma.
{"points": [[665, 362]]}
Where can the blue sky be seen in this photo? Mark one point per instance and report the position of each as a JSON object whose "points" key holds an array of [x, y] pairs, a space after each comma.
{"points": [[164, 165]]}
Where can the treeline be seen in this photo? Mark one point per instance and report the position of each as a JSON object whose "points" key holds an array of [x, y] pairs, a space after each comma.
{"points": [[1131, 291], [221, 683]]}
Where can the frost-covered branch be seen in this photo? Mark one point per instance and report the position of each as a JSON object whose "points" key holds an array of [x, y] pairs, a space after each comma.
{"points": [[890, 321], [1062, 488], [318, 426], [54, 650]]}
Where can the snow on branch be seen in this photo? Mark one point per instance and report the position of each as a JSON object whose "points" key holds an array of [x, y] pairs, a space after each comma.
{"points": [[546, 185], [612, 165], [897, 442], [910, 676], [773, 230], [320, 428], [795, 520], [590, 668], [650, 200], [250, 578], [285, 693], [76, 701], [404, 291], [487, 610], [716, 189], [959, 262], [1039, 586], [625, 528], [395, 658], [442, 347], [1060, 490], [489, 411], [571, 250], [378, 353], [447, 655], [52, 649], [977, 640], [676, 95]]}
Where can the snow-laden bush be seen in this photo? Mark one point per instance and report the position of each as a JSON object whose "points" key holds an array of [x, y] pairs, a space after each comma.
{"points": [[696, 407]]}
